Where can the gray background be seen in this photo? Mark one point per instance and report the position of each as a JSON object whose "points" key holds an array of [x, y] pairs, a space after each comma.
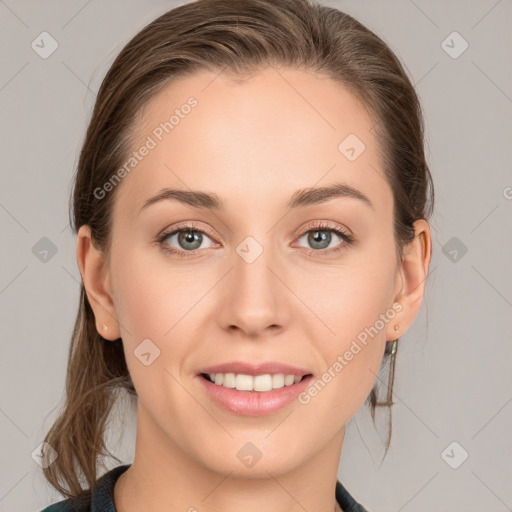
{"points": [[453, 381]]}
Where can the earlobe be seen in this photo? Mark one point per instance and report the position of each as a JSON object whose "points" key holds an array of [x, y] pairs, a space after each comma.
{"points": [[95, 276], [413, 272]]}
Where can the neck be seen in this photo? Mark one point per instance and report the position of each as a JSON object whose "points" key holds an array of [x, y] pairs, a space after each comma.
{"points": [[165, 477]]}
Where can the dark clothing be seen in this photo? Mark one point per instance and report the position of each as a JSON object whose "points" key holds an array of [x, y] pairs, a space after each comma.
{"points": [[102, 498]]}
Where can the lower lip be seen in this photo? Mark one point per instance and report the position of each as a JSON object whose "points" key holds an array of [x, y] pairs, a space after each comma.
{"points": [[254, 403]]}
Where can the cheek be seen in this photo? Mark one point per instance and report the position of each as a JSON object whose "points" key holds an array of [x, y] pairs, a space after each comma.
{"points": [[149, 299], [352, 306], [157, 301], [347, 299], [150, 303]]}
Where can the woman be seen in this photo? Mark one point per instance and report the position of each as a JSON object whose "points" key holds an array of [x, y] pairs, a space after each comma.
{"points": [[251, 207]]}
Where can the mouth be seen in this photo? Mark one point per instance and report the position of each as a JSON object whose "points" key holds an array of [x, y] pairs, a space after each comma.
{"points": [[243, 394], [259, 383]]}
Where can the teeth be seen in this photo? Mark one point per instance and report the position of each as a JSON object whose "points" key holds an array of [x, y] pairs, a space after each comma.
{"points": [[244, 382], [278, 381]]}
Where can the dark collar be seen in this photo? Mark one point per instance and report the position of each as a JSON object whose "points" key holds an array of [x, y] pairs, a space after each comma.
{"points": [[346, 501], [103, 493]]}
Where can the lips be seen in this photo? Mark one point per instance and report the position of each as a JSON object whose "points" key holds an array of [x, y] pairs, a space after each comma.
{"points": [[244, 388], [253, 403]]}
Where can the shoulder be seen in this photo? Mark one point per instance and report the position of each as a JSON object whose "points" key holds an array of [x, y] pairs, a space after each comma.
{"points": [[100, 497]]}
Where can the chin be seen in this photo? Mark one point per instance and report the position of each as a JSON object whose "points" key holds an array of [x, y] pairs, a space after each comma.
{"points": [[250, 461]]}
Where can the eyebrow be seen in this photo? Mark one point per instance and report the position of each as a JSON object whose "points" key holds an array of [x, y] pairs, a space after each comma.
{"points": [[300, 199]]}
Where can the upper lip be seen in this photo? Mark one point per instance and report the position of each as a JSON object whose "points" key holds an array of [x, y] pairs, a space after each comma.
{"points": [[256, 368]]}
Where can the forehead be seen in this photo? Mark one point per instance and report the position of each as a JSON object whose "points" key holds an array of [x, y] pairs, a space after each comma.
{"points": [[280, 130]]}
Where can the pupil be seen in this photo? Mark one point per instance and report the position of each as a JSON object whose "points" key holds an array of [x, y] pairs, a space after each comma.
{"points": [[189, 237], [319, 236]]}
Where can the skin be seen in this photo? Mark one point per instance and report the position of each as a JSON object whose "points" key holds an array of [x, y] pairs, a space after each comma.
{"points": [[254, 145]]}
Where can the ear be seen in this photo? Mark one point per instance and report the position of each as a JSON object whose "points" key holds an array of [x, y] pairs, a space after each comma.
{"points": [[413, 271], [96, 278]]}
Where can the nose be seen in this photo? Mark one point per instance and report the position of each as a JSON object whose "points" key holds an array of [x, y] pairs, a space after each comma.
{"points": [[254, 298]]}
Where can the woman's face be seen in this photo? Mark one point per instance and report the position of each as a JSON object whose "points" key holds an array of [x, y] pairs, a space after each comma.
{"points": [[255, 281]]}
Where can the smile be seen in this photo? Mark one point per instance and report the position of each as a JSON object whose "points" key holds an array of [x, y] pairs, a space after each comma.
{"points": [[253, 395], [244, 382]]}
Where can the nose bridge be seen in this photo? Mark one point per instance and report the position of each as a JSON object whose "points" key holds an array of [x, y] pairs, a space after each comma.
{"points": [[255, 251], [253, 261], [254, 299]]}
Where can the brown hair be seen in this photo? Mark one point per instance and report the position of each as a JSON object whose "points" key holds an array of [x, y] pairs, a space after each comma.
{"points": [[238, 37]]}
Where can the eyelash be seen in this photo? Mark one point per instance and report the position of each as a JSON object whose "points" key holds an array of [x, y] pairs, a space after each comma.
{"points": [[321, 226]]}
